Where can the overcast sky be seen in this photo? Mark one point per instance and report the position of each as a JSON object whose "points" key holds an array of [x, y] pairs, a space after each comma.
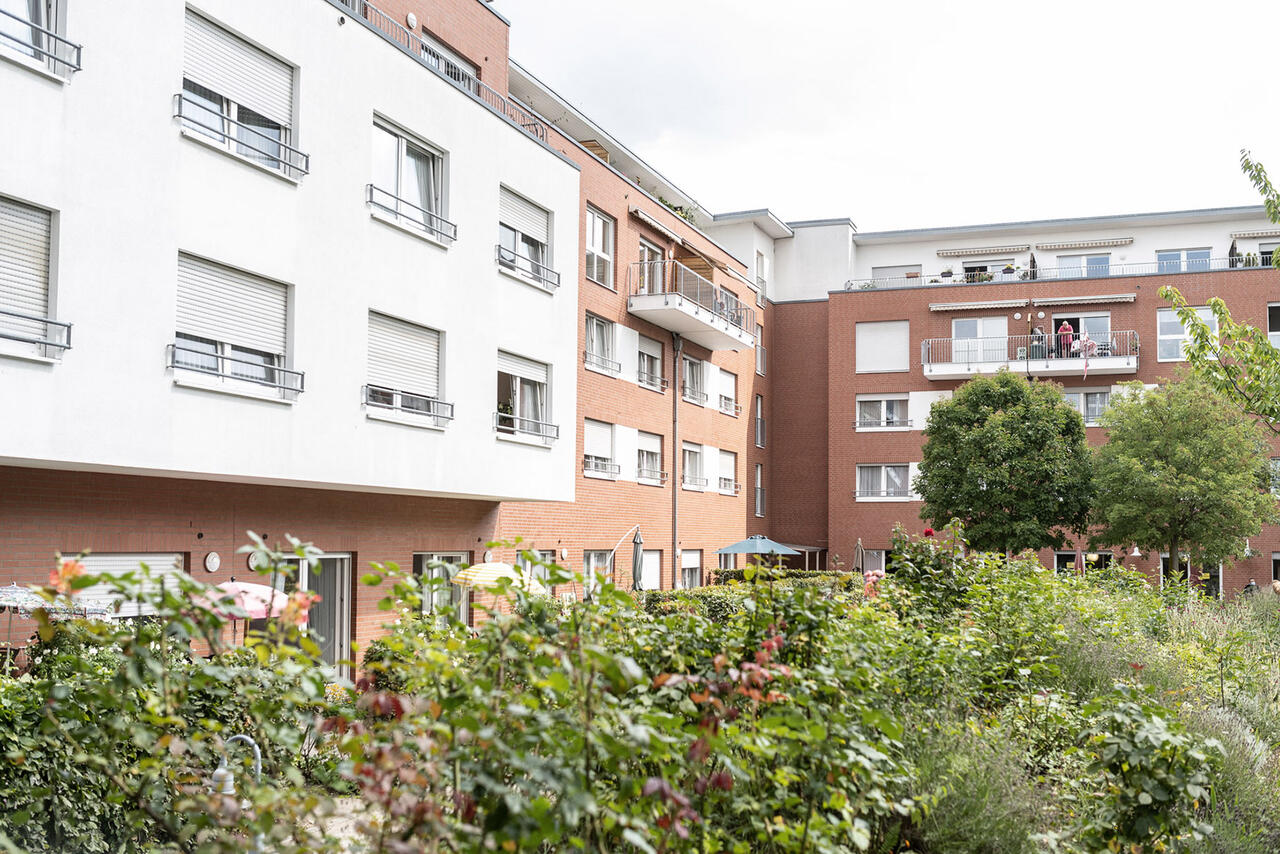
{"points": [[910, 114]]}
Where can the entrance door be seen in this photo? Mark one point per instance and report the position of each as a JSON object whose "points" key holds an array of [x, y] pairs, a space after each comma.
{"points": [[329, 620]]}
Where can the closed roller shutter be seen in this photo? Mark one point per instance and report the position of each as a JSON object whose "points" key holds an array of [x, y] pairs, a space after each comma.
{"points": [[729, 385], [164, 566], [519, 366], [597, 439], [524, 216], [235, 69], [691, 558], [729, 465], [230, 306], [24, 267], [403, 356], [651, 348], [650, 442]]}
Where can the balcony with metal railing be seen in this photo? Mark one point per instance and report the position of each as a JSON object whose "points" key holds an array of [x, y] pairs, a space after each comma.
{"points": [[728, 486], [47, 337], [221, 371], [679, 299], [415, 405], [729, 406], [657, 382], [38, 45], [601, 467], [525, 429], [1045, 354], [525, 267], [268, 150], [601, 363], [651, 476], [390, 206]]}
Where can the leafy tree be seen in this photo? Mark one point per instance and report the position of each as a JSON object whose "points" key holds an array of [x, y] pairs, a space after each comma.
{"points": [[1183, 471], [1006, 457]]}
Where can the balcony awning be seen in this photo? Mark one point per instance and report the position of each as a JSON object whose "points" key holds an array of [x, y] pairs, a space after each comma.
{"points": [[982, 250], [1249, 235], [965, 306], [655, 225], [1087, 244], [1092, 299]]}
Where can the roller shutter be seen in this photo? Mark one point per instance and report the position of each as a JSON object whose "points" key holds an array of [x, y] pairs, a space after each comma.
{"points": [[164, 566], [519, 366], [24, 267], [227, 305], [235, 69], [524, 216], [403, 356], [597, 439]]}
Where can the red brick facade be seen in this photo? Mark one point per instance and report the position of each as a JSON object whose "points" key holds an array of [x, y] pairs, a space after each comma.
{"points": [[467, 27]]}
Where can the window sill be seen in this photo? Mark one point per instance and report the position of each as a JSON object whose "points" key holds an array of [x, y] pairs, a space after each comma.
{"points": [[206, 142], [694, 402], [421, 422], [882, 429], [595, 369], [525, 439], [26, 353], [536, 284], [235, 388], [655, 388], [729, 413], [690, 488], [885, 499], [599, 475], [602, 284], [28, 63], [648, 481], [412, 231], [726, 492]]}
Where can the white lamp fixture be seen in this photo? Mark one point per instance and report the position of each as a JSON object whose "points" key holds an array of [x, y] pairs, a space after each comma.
{"points": [[412, 20], [1135, 552]]}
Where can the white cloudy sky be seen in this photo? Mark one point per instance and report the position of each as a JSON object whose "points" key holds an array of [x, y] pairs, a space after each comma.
{"points": [[910, 113]]}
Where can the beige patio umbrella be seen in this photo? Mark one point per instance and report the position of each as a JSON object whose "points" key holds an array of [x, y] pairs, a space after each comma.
{"points": [[488, 574]]}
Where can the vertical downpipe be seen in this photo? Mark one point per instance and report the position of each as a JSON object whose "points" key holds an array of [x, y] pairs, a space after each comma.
{"points": [[677, 458]]}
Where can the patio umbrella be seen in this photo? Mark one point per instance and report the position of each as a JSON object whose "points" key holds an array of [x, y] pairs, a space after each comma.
{"points": [[26, 601], [258, 601], [757, 545], [487, 575]]}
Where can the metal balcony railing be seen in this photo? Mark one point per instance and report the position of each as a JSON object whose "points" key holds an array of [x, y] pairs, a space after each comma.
{"points": [[890, 492], [504, 423], [729, 486], [601, 466], [672, 277], [220, 365], [651, 474], [411, 403], [410, 214], [61, 55], [34, 329], [694, 481], [868, 423], [657, 382], [595, 360], [245, 140], [693, 395], [539, 274], [1053, 274], [465, 81], [729, 406], [1012, 348]]}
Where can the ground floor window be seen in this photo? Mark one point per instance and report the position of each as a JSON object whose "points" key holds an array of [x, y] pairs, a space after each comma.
{"points": [[691, 568], [440, 596]]}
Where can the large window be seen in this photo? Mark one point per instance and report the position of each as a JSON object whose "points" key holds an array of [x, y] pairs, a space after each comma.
{"points": [[882, 413], [440, 596], [650, 272], [1084, 266], [883, 481], [597, 450], [524, 406], [649, 373], [650, 570], [693, 387], [165, 567], [882, 346], [691, 457], [728, 482], [32, 28], [409, 183], [1090, 404], [649, 459], [26, 324], [599, 354], [231, 328], [404, 370], [600, 230], [1182, 260], [596, 565], [524, 239], [238, 97], [690, 568], [1172, 338]]}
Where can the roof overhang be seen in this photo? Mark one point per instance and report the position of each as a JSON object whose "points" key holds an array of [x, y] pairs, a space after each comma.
{"points": [[763, 219]]}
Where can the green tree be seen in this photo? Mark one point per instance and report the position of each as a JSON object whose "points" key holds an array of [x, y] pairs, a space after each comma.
{"points": [[1006, 457], [1183, 471]]}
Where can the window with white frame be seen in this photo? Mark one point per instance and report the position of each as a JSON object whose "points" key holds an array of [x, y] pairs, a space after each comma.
{"points": [[760, 489], [1267, 253], [1182, 260], [231, 327], [524, 239], [599, 249], [882, 346], [690, 568], [693, 389], [404, 369], [873, 560], [238, 97], [1084, 266], [440, 596], [691, 474], [729, 393], [34, 29], [728, 561], [651, 271], [1171, 337], [649, 459], [883, 412], [884, 481], [597, 450], [26, 316], [728, 482], [1090, 404], [535, 564], [760, 422], [408, 183], [762, 277], [649, 372], [762, 354], [596, 566], [599, 354], [1273, 324], [1275, 476], [524, 403]]}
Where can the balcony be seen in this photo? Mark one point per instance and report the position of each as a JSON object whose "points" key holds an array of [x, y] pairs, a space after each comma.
{"points": [[729, 406], [50, 336], [728, 486], [601, 467], [265, 149], [601, 363], [522, 266], [412, 404], [406, 213], [1042, 355], [29, 39], [222, 371], [529, 430], [1058, 274], [657, 382], [670, 295]]}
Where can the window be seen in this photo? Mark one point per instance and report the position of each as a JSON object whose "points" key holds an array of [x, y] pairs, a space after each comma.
{"points": [[596, 564], [760, 489], [650, 570], [762, 278], [1090, 404], [650, 272], [692, 473], [977, 339], [524, 240], [762, 355], [534, 564], [408, 183], [1266, 252], [882, 346], [1275, 476], [597, 450], [599, 353], [524, 407], [882, 413], [440, 596], [693, 381], [599, 247], [238, 97], [729, 561], [728, 482], [32, 28], [165, 567], [1179, 260], [649, 459], [1275, 566], [231, 328], [649, 373], [690, 568], [1273, 324], [404, 370], [1084, 266], [729, 394], [883, 481], [26, 238], [760, 422], [873, 559], [1171, 337]]}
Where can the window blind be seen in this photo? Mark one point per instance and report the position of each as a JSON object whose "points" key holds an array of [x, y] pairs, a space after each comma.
{"points": [[403, 356], [650, 347], [509, 363], [650, 442], [24, 266], [524, 216], [729, 465], [597, 439], [729, 384], [235, 69], [163, 565], [230, 306], [690, 558], [883, 345]]}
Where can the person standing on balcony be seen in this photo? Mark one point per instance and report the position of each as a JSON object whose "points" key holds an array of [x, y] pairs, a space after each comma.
{"points": [[1065, 331]]}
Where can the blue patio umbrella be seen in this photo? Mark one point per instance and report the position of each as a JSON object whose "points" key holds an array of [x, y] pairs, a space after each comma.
{"points": [[757, 545]]}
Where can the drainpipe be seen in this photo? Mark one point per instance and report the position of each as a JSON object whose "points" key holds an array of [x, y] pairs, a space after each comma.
{"points": [[677, 375]]}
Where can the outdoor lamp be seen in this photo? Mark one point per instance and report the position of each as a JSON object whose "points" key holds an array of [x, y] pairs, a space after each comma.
{"points": [[1135, 552], [222, 781]]}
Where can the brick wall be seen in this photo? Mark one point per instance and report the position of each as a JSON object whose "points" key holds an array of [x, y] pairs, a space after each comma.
{"points": [[467, 27]]}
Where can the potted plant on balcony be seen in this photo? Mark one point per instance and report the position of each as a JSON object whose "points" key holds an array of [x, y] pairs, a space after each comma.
{"points": [[1008, 269], [947, 273]]}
